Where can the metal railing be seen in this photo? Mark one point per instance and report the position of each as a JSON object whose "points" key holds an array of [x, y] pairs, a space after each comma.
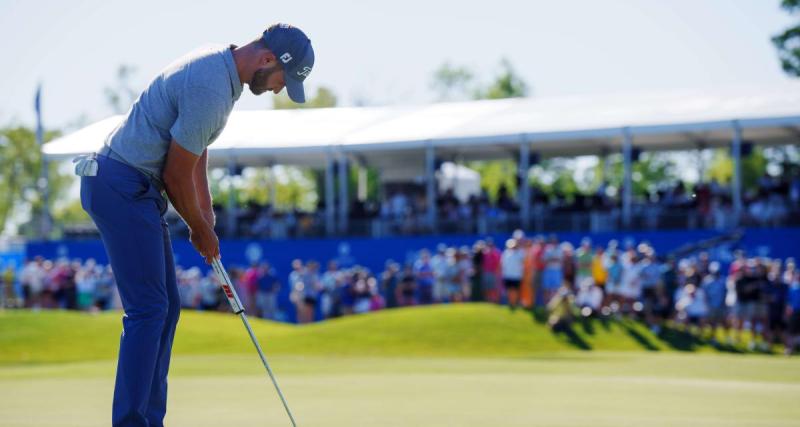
{"points": [[540, 221]]}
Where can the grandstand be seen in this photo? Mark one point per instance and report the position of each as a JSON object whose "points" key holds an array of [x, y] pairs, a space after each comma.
{"points": [[409, 144]]}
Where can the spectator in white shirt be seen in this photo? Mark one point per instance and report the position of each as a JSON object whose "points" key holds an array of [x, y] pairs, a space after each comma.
{"points": [[512, 268]]}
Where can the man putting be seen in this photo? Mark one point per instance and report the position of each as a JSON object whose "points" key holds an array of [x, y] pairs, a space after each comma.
{"points": [[161, 147]]}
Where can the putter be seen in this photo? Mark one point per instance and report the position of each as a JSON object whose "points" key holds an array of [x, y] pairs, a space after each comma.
{"points": [[236, 305]]}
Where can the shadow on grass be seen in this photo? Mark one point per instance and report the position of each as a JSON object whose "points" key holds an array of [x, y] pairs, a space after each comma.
{"points": [[539, 315], [587, 323], [572, 337], [679, 340], [682, 340], [642, 340], [605, 323], [670, 336], [728, 348]]}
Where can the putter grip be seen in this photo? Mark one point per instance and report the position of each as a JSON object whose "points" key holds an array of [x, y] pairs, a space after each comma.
{"points": [[227, 287]]}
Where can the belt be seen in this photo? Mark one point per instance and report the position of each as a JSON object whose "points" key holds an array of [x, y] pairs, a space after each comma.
{"points": [[111, 154], [108, 152]]}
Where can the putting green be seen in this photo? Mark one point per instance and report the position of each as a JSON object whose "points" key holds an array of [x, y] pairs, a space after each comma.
{"points": [[582, 389], [458, 365]]}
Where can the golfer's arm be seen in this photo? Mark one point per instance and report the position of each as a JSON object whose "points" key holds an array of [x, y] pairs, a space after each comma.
{"points": [[180, 184], [202, 189]]}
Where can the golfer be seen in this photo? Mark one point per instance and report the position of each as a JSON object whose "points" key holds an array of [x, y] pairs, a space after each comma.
{"points": [[161, 150]]}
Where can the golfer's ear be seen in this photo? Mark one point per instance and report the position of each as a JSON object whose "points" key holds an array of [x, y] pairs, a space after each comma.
{"points": [[267, 57], [179, 164]]}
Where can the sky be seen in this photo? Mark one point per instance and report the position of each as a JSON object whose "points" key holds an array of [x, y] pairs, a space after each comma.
{"points": [[379, 53]]}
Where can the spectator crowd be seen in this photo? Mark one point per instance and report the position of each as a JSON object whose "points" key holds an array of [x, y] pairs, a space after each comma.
{"points": [[402, 210], [749, 300]]}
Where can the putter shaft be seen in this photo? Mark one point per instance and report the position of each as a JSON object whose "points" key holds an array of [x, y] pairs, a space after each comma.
{"points": [[238, 308]]}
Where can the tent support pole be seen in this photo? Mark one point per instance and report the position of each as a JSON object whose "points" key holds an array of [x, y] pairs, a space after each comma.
{"points": [[330, 202], [736, 183], [430, 184], [627, 194], [231, 214], [524, 186], [344, 198]]}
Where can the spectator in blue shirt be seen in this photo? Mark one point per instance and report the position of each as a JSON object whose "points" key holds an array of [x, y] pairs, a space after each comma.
{"points": [[716, 291], [267, 292], [793, 312], [423, 271]]}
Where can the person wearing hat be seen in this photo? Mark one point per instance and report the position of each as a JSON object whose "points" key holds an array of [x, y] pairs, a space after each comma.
{"points": [[512, 265], [160, 151]]}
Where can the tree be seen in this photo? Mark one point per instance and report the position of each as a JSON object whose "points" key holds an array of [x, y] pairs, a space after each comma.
{"points": [[20, 169], [325, 98], [506, 85], [495, 174], [649, 174], [753, 167], [458, 82], [555, 177], [121, 96], [788, 42], [451, 82], [294, 187]]}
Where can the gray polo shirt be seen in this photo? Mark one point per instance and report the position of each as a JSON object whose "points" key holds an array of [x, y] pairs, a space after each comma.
{"points": [[189, 101]]}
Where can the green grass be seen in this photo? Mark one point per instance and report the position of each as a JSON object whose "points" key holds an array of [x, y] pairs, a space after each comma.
{"points": [[466, 365], [599, 389], [467, 330]]}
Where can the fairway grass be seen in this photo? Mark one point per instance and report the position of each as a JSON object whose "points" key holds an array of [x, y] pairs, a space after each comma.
{"points": [[462, 330], [583, 389]]}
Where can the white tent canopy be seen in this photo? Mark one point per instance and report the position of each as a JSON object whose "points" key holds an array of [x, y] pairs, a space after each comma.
{"points": [[394, 137]]}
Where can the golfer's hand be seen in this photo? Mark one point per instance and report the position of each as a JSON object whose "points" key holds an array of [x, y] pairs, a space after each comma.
{"points": [[210, 218], [205, 240]]}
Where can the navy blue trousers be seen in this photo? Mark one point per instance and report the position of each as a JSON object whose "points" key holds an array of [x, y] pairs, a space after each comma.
{"points": [[128, 210]]}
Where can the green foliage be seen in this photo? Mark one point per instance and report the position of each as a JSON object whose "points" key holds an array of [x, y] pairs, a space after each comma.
{"points": [[753, 167], [451, 82], [650, 173], [373, 182], [788, 42], [555, 177], [20, 169], [496, 173], [70, 212], [295, 187], [791, 5], [458, 82], [324, 98], [507, 84]]}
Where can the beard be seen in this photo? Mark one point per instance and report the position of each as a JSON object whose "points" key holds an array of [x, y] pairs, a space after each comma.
{"points": [[258, 83]]}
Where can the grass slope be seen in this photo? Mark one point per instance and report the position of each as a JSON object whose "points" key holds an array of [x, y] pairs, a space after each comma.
{"points": [[465, 330]]}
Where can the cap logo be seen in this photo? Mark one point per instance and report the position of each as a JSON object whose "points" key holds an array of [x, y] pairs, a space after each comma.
{"points": [[304, 72], [286, 57]]}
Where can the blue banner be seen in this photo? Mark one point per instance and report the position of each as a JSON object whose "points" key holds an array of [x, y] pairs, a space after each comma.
{"points": [[373, 253]]}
